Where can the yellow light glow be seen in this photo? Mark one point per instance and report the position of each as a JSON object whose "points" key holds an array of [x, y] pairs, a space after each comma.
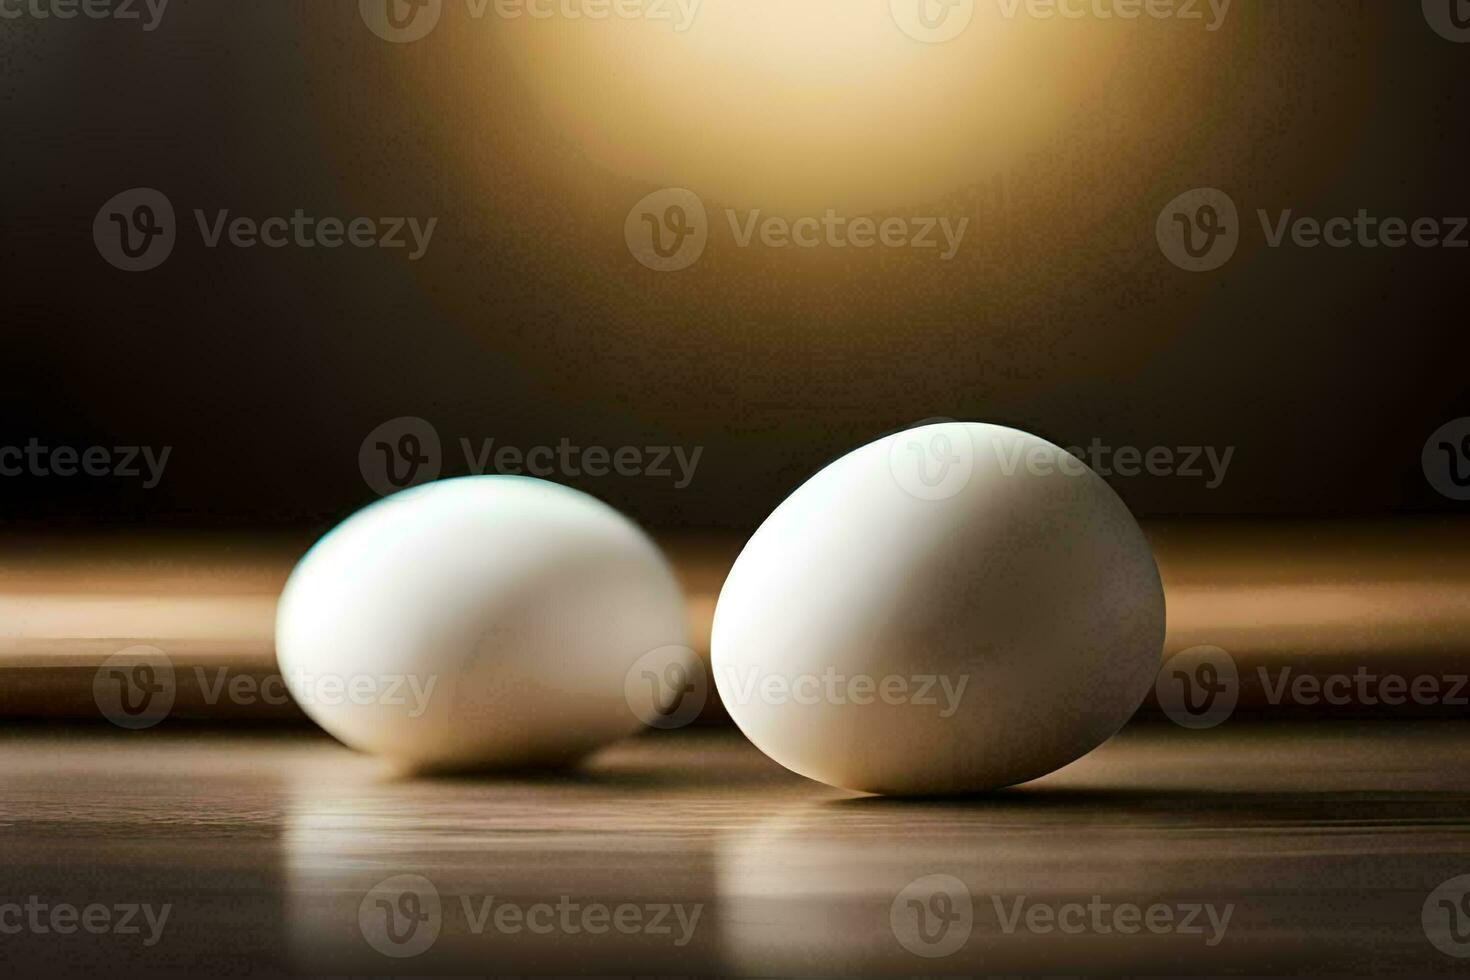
{"points": [[800, 104]]}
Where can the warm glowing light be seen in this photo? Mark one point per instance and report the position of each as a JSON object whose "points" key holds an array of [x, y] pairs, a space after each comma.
{"points": [[800, 104]]}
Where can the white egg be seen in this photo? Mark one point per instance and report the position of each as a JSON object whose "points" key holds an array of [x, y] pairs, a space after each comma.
{"points": [[485, 621], [953, 608]]}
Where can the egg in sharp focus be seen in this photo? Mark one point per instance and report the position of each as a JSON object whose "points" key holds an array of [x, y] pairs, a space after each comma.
{"points": [[952, 608]]}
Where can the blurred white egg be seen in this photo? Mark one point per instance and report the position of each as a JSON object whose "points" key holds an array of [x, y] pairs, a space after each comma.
{"points": [[487, 621], [952, 608]]}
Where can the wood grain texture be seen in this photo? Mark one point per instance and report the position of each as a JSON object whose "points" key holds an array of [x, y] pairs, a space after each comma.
{"points": [[1324, 839]]}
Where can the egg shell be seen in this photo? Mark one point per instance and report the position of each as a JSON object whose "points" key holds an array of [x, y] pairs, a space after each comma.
{"points": [[950, 609], [486, 621]]}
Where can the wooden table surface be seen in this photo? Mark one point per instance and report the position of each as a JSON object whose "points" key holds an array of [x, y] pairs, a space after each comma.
{"points": [[275, 850], [1324, 840], [1318, 598]]}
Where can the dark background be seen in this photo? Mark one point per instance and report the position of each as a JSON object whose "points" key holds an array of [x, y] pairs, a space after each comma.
{"points": [[528, 320]]}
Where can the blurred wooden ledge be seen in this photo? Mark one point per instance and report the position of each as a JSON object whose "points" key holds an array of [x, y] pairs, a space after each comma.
{"points": [[1320, 598], [1381, 589]]}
